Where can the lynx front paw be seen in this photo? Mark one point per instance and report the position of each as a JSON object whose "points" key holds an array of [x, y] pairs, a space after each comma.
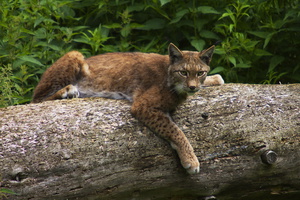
{"points": [[70, 91], [192, 165], [188, 159]]}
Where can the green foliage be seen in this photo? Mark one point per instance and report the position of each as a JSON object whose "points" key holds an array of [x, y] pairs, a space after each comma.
{"points": [[260, 38], [253, 51], [15, 89], [4, 191]]}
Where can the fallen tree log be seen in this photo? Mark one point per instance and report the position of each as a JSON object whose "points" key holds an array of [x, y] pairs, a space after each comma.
{"points": [[245, 136]]}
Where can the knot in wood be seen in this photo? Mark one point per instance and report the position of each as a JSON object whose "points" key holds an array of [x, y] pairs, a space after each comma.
{"points": [[205, 115]]}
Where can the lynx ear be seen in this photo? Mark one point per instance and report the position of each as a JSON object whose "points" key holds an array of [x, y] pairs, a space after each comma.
{"points": [[206, 55], [174, 53]]}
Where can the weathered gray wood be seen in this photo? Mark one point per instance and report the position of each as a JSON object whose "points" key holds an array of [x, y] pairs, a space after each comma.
{"points": [[94, 149]]}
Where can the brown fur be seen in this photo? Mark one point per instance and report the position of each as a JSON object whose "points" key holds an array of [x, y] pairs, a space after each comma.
{"points": [[156, 85]]}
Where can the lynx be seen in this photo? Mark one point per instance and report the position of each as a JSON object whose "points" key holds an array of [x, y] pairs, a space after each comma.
{"points": [[155, 84]]}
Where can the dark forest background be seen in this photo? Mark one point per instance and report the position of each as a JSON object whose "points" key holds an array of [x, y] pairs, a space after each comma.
{"points": [[258, 40]]}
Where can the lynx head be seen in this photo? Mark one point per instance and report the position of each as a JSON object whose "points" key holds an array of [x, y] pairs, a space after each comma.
{"points": [[188, 69]]}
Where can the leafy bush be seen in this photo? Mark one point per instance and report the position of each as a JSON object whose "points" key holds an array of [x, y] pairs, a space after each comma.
{"points": [[260, 38]]}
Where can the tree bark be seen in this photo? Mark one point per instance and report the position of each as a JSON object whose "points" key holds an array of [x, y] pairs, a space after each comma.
{"points": [[245, 136]]}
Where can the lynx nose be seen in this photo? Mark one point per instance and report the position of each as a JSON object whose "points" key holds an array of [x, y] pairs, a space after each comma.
{"points": [[192, 87]]}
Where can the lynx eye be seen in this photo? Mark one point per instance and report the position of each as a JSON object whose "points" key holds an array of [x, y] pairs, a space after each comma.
{"points": [[183, 73], [202, 73]]}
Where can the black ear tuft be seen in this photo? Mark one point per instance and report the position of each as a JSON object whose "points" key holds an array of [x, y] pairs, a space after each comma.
{"points": [[174, 53], [206, 55]]}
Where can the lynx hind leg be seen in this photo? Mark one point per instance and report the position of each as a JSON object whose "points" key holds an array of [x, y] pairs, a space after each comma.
{"points": [[58, 80], [68, 92], [213, 80]]}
